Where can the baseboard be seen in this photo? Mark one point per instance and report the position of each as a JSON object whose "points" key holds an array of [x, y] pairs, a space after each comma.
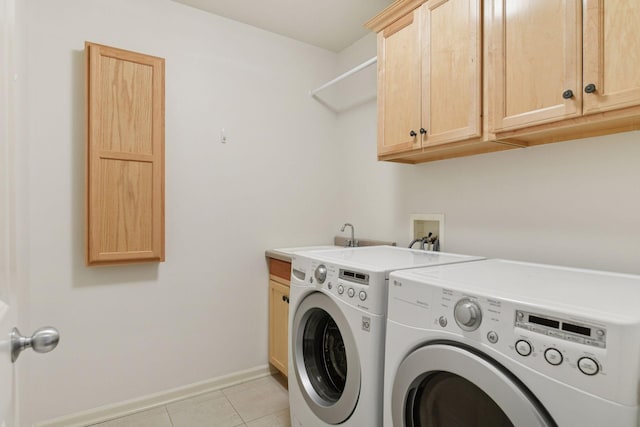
{"points": [[117, 410]]}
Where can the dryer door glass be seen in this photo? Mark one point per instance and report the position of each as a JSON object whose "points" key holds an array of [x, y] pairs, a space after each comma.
{"points": [[324, 355], [445, 383], [444, 399]]}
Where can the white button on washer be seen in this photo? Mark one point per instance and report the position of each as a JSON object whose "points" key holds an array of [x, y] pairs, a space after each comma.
{"points": [[351, 292], [553, 356], [340, 289], [523, 348], [492, 336], [362, 295], [588, 366]]}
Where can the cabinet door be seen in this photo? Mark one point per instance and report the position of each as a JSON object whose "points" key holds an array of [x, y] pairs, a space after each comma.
{"points": [[536, 50], [399, 85], [279, 326], [452, 73], [611, 54], [125, 155]]}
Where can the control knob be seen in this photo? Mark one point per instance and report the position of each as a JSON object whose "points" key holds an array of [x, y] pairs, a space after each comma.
{"points": [[467, 314], [321, 273]]}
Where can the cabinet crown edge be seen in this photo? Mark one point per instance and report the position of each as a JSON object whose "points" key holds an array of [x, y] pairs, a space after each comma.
{"points": [[392, 13]]}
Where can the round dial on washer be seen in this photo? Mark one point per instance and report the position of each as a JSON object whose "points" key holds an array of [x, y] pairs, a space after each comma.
{"points": [[588, 366], [321, 273], [351, 292], [553, 356], [523, 348], [467, 314], [362, 295], [340, 289]]}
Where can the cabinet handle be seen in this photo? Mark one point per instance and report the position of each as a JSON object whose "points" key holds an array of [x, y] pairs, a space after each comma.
{"points": [[590, 88], [567, 94], [284, 298], [423, 131], [412, 134]]}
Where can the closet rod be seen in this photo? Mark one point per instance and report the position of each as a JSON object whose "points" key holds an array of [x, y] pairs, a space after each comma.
{"points": [[345, 75]]}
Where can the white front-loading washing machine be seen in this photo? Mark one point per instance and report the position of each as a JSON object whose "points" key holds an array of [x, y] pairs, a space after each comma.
{"points": [[337, 317], [501, 343]]}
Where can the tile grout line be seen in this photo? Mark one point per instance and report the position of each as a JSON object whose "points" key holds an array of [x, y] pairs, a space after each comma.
{"points": [[234, 408], [166, 409], [255, 419]]}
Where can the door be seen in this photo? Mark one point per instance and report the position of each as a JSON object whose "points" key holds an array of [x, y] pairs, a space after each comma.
{"points": [[611, 77], [399, 76], [452, 71], [446, 383], [325, 359], [536, 69], [8, 312]]}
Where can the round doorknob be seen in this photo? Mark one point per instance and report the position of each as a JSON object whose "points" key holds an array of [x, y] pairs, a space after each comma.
{"points": [[423, 131], [412, 134], [567, 94], [590, 88], [42, 341]]}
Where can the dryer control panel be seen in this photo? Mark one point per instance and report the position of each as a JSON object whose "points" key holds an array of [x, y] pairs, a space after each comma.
{"points": [[573, 348], [582, 333]]}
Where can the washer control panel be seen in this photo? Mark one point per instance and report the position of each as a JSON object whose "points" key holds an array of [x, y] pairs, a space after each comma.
{"points": [[364, 290]]}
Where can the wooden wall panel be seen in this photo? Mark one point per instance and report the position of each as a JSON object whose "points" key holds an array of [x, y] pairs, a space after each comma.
{"points": [[125, 156]]}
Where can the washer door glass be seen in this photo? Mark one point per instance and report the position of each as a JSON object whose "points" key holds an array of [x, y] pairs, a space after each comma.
{"points": [[325, 357], [445, 384], [445, 399]]}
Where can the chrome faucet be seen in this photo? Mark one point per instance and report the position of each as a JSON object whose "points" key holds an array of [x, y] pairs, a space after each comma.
{"points": [[353, 242]]}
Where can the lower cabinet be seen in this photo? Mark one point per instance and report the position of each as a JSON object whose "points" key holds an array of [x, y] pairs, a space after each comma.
{"points": [[279, 280], [278, 325]]}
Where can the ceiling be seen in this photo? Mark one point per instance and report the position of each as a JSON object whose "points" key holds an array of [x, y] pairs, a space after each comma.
{"points": [[330, 24]]}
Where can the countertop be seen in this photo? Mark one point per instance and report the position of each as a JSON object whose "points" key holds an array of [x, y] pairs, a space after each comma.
{"points": [[284, 254]]}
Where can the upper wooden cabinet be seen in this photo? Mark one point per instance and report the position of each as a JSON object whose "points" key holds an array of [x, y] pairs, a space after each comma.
{"points": [[611, 54], [537, 62], [451, 71], [125, 156], [399, 83], [498, 74], [554, 64], [430, 103]]}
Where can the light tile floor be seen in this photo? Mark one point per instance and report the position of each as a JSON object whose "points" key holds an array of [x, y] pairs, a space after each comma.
{"points": [[260, 403]]}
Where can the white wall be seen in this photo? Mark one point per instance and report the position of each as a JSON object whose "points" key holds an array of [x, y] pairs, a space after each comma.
{"points": [[133, 330], [573, 203], [290, 175]]}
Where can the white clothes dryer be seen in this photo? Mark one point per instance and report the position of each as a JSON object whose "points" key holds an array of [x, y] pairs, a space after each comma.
{"points": [[501, 343], [337, 315]]}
